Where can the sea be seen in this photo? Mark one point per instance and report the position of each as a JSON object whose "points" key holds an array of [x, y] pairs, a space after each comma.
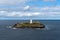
{"points": [[50, 32]]}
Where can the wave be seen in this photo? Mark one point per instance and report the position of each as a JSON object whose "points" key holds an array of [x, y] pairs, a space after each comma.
{"points": [[46, 27], [14, 28], [11, 27]]}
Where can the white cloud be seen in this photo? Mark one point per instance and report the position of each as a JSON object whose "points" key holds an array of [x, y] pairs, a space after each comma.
{"points": [[20, 5], [23, 10], [36, 13], [43, 12], [46, 9], [18, 14], [13, 4], [49, 0], [29, 14], [12, 1], [26, 7]]}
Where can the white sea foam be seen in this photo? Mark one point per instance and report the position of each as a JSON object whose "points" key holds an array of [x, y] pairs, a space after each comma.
{"points": [[47, 28], [14, 28], [9, 26]]}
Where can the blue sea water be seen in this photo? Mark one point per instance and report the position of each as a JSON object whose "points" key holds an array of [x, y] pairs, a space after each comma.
{"points": [[51, 32]]}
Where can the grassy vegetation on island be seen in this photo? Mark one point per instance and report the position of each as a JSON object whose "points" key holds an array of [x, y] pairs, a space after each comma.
{"points": [[29, 25]]}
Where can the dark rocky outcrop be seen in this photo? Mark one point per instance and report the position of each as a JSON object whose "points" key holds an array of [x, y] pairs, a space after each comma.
{"points": [[29, 25]]}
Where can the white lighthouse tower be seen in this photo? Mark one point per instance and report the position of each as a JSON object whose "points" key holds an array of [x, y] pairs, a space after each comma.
{"points": [[30, 21]]}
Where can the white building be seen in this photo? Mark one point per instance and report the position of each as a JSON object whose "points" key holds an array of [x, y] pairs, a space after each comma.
{"points": [[30, 21]]}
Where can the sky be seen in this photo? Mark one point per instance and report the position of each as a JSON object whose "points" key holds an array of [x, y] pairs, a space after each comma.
{"points": [[29, 9]]}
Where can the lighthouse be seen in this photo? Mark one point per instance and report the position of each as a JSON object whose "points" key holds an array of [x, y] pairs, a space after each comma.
{"points": [[30, 21]]}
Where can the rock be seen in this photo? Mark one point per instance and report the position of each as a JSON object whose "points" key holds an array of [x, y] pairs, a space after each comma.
{"points": [[29, 25]]}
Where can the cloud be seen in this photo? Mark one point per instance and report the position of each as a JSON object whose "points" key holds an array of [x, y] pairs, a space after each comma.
{"points": [[18, 14], [49, 0], [14, 5], [19, 8], [34, 11], [46, 9], [27, 15], [26, 7], [30, 14], [34, 15], [52, 12], [18, 5], [14, 2]]}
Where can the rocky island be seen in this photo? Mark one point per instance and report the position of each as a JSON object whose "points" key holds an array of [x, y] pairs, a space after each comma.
{"points": [[29, 25]]}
